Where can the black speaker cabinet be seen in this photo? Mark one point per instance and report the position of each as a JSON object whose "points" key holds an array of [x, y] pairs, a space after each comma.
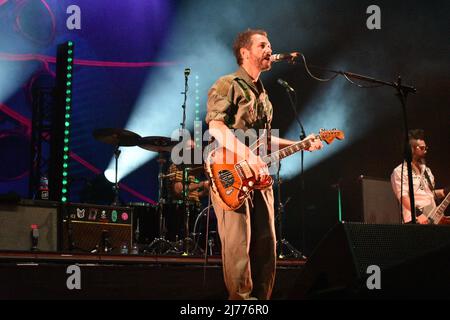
{"points": [[97, 229], [370, 200], [18, 219], [413, 261]]}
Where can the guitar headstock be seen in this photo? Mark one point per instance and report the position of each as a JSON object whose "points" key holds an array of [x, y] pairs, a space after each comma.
{"points": [[329, 135]]}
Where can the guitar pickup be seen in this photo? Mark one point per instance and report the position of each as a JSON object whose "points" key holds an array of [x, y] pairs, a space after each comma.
{"points": [[244, 169]]}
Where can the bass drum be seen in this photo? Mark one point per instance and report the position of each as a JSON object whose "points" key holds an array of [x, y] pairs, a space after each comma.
{"points": [[175, 219], [199, 232], [145, 222]]}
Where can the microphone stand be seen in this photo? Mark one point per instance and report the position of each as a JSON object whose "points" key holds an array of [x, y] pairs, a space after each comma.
{"points": [[402, 93], [187, 240], [302, 181], [294, 253]]}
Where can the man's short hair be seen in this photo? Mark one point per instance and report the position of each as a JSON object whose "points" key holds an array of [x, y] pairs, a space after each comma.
{"points": [[416, 134], [244, 40]]}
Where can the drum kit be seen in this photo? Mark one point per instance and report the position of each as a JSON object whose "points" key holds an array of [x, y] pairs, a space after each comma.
{"points": [[170, 237]]}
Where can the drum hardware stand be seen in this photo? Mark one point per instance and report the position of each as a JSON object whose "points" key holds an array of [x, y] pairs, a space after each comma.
{"points": [[281, 243], [187, 241], [161, 245], [209, 242], [116, 183], [118, 138]]}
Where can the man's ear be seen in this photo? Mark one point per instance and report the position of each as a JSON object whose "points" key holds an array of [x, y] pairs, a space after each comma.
{"points": [[244, 53]]}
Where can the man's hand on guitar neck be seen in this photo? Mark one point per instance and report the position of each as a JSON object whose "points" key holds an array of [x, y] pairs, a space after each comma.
{"points": [[314, 143]]}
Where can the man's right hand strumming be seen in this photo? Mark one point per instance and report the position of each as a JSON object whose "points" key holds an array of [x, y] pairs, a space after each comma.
{"points": [[259, 168]]}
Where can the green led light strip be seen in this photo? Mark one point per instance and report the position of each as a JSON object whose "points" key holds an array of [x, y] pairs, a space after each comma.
{"points": [[67, 123]]}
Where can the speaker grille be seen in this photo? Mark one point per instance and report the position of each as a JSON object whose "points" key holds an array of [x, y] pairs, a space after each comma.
{"points": [[86, 236], [404, 253], [387, 245]]}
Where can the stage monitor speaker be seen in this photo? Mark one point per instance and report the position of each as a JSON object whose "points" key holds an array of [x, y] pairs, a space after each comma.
{"points": [[17, 221], [412, 259], [97, 229]]}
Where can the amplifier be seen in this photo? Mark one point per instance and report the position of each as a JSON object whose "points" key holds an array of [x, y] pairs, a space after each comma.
{"points": [[96, 228], [29, 225]]}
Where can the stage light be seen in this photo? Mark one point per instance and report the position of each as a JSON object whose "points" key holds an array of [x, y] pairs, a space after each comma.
{"points": [[157, 111], [110, 175], [330, 109], [13, 74]]}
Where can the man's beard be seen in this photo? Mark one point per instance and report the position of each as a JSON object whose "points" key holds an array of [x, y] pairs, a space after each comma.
{"points": [[421, 160], [264, 65]]}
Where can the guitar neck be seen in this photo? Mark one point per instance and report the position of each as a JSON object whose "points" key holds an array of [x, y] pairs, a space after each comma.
{"points": [[440, 210], [287, 151]]}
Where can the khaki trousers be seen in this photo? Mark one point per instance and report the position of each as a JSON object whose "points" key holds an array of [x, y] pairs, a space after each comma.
{"points": [[248, 246]]}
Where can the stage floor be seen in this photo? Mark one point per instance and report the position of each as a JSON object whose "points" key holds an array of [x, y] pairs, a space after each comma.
{"points": [[46, 275]]}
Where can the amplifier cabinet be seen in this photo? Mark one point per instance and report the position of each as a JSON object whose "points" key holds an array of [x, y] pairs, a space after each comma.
{"points": [[97, 228], [29, 225]]}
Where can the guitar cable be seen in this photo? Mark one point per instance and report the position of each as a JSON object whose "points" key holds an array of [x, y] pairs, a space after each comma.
{"points": [[205, 261]]}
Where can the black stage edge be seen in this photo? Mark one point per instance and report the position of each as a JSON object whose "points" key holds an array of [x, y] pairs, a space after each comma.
{"points": [[25, 275]]}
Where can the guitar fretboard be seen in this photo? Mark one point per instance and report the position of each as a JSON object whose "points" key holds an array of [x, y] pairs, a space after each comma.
{"points": [[285, 152], [443, 205], [439, 213]]}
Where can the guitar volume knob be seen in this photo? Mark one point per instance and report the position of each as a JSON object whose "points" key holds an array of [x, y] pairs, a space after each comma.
{"points": [[251, 184], [244, 188]]}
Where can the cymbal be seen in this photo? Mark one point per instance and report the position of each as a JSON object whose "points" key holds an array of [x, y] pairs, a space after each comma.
{"points": [[117, 137], [195, 168], [157, 144]]}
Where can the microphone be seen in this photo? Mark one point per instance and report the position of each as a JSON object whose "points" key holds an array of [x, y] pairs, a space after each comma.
{"points": [[187, 71], [285, 84], [290, 57]]}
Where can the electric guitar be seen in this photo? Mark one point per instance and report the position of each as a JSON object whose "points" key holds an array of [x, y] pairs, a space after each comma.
{"points": [[435, 214], [232, 179]]}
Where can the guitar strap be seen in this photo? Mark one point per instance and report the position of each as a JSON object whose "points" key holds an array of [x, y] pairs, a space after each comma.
{"points": [[245, 87], [430, 184]]}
